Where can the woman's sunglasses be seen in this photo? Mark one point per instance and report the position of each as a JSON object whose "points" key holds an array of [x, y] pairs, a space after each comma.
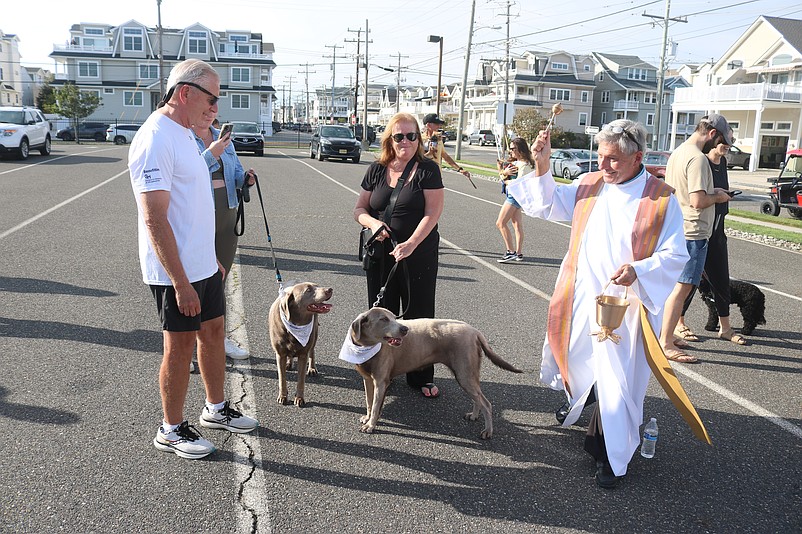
{"points": [[411, 136]]}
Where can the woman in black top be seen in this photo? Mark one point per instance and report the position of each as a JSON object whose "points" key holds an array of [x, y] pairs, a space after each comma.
{"points": [[413, 224]]}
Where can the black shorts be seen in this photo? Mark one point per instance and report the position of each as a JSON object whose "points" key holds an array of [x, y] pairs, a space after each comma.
{"points": [[211, 293]]}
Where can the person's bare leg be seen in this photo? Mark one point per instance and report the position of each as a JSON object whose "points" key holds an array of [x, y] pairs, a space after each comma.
{"points": [[672, 313], [518, 226], [174, 374], [212, 358], [501, 223]]}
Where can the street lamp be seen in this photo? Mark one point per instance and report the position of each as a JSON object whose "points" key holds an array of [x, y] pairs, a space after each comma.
{"points": [[438, 39]]}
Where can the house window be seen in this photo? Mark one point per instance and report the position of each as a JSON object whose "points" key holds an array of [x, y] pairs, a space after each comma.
{"points": [[735, 125], [766, 125], [605, 97], [586, 68], [781, 78], [560, 94], [583, 119], [88, 69], [132, 98], [93, 31], [148, 72], [531, 91], [650, 119], [559, 66], [665, 99], [108, 90], [735, 64], [604, 117], [633, 96], [781, 126], [601, 76], [636, 74], [240, 101], [222, 48], [649, 98], [1, 68], [197, 42], [691, 118], [585, 96], [132, 39], [241, 74]]}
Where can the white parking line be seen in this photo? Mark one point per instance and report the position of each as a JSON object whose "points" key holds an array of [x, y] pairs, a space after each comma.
{"points": [[724, 392], [49, 160]]}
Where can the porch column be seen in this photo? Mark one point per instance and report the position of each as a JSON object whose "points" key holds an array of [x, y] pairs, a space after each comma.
{"points": [[674, 114], [755, 159]]}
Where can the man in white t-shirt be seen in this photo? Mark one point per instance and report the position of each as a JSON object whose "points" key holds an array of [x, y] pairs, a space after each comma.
{"points": [[170, 180]]}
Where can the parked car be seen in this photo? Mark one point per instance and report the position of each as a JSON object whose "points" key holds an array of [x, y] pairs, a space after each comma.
{"points": [[449, 135], [86, 130], [337, 142], [21, 129], [247, 137], [482, 138], [655, 163], [738, 158], [357, 129], [571, 162], [276, 126], [121, 134]]}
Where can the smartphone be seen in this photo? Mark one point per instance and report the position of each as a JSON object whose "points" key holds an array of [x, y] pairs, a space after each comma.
{"points": [[226, 129], [734, 192]]}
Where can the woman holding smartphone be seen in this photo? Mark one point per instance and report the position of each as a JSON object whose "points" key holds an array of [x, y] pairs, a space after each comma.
{"points": [[228, 177]]}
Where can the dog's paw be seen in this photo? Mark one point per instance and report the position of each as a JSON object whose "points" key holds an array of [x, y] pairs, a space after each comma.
{"points": [[486, 434], [282, 399], [367, 428], [470, 416], [300, 402], [288, 367], [364, 419], [312, 371]]}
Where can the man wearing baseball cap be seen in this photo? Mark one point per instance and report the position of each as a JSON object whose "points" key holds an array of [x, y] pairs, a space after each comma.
{"points": [[433, 143], [688, 172]]}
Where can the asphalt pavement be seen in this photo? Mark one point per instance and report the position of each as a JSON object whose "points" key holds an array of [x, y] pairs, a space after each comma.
{"points": [[80, 350]]}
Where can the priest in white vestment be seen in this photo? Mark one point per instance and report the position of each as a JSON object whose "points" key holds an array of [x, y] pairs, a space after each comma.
{"points": [[605, 248]]}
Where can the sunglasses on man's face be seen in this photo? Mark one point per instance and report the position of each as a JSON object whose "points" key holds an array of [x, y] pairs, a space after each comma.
{"points": [[411, 136], [621, 130], [212, 101]]}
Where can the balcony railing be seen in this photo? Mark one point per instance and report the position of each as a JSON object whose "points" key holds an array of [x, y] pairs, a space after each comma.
{"points": [[245, 55], [742, 92], [625, 105], [81, 48]]}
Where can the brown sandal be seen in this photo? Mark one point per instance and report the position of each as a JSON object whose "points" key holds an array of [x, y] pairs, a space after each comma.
{"points": [[680, 357], [730, 335], [685, 334]]}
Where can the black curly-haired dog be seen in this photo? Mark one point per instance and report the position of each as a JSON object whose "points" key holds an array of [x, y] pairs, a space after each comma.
{"points": [[750, 300]]}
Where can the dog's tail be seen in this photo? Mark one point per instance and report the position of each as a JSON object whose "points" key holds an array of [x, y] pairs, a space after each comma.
{"points": [[495, 358]]}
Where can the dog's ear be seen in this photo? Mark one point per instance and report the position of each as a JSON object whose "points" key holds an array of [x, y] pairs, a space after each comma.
{"points": [[285, 303], [356, 328]]}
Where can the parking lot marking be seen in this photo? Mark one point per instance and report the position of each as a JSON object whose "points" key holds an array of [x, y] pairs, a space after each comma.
{"points": [[15, 169], [722, 391], [59, 205]]}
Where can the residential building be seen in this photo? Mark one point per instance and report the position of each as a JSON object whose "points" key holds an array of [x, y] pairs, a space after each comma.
{"points": [[121, 64], [33, 78], [10, 75], [324, 112], [536, 80], [626, 88], [757, 86]]}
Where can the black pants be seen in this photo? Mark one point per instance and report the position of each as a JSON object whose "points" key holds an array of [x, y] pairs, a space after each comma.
{"points": [[717, 270], [417, 300]]}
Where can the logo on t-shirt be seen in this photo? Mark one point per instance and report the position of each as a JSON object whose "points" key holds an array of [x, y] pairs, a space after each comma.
{"points": [[149, 178]]}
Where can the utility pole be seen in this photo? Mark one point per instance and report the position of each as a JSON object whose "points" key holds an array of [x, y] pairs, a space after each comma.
{"points": [[506, 81], [661, 74], [365, 140], [398, 84], [358, 41], [461, 119], [290, 79], [161, 48], [306, 92], [333, 57]]}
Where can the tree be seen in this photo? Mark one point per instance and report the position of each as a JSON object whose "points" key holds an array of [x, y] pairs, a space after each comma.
{"points": [[46, 98], [528, 122], [75, 104]]}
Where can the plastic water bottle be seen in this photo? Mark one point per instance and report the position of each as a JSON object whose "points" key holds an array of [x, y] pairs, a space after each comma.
{"points": [[649, 439]]}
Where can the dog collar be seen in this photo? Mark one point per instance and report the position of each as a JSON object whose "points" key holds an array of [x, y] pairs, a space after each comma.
{"points": [[353, 353], [302, 333]]}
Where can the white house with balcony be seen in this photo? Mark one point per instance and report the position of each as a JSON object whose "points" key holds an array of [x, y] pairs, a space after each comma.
{"points": [[10, 75], [121, 64], [757, 86]]}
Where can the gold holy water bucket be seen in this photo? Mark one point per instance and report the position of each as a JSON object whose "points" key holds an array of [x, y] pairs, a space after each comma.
{"points": [[610, 312]]}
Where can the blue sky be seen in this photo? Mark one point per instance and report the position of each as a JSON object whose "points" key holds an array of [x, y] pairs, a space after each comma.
{"points": [[303, 31]]}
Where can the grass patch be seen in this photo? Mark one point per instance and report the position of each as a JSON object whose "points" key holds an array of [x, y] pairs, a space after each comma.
{"points": [[766, 218], [791, 237]]}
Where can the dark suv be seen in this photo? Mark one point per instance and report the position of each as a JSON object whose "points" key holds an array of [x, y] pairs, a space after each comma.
{"points": [[247, 137], [337, 142], [86, 130]]}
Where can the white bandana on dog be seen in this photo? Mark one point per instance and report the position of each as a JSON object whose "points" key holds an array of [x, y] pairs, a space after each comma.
{"points": [[353, 353], [301, 333]]}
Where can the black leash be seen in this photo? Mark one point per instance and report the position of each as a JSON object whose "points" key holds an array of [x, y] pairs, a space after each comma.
{"points": [[402, 263], [267, 228]]}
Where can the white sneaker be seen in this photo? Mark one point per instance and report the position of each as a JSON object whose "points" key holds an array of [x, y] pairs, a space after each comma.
{"points": [[228, 419], [184, 441], [234, 351]]}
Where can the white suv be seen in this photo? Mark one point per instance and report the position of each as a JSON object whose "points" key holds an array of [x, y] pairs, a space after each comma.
{"points": [[121, 134], [23, 129]]}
